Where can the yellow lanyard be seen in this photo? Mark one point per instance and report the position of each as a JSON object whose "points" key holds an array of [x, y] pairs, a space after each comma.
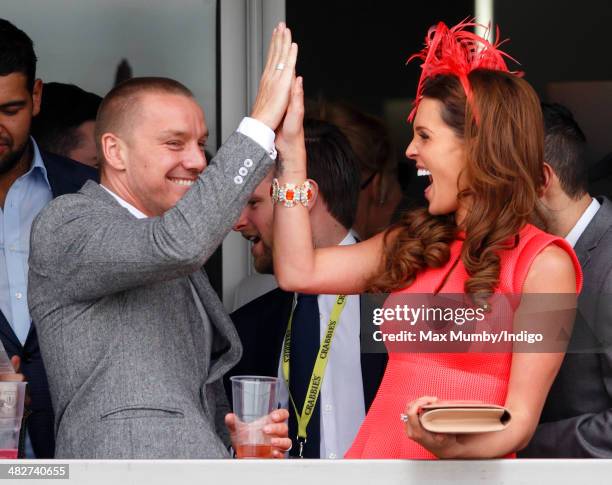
{"points": [[318, 371]]}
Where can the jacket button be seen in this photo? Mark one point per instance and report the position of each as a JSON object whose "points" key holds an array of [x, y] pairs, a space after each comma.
{"points": [[238, 179]]}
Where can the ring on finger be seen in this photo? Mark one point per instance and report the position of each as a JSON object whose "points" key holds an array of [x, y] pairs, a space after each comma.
{"points": [[280, 66], [404, 418]]}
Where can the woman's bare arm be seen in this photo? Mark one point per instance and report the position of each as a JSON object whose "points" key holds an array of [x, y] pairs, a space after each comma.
{"points": [[531, 374], [298, 266]]}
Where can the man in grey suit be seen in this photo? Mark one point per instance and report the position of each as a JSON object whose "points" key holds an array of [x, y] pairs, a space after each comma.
{"points": [[134, 338], [577, 417]]}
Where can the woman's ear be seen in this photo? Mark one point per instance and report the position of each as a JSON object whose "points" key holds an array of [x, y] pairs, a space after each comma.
{"points": [[315, 194]]}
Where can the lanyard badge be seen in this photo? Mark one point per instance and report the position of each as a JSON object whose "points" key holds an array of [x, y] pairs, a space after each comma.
{"points": [[318, 371]]}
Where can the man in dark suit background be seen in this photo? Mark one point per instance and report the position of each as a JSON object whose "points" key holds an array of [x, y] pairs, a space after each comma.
{"points": [[66, 122], [577, 416], [29, 179], [351, 378]]}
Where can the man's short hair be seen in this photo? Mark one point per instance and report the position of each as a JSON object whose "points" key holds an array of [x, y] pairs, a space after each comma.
{"points": [[63, 109], [17, 53], [333, 165], [564, 149], [122, 102]]}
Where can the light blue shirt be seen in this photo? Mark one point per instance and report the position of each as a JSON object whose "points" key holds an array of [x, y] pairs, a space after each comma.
{"points": [[25, 199]]}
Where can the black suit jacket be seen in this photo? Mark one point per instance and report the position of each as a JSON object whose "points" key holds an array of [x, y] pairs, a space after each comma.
{"points": [[261, 325], [577, 417], [65, 176]]}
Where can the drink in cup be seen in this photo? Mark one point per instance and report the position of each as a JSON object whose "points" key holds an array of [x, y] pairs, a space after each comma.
{"points": [[254, 399], [12, 396]]}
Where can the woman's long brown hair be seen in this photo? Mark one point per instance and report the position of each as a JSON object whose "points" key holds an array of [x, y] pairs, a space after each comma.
{"points": [[503, 137]]}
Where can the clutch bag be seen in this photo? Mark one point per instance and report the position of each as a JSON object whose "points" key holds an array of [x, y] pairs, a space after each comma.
{"points": [[463, 417]]}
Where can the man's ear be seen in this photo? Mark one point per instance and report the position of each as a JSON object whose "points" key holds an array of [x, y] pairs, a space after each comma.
{"points": [[376, 189], [549, 175], [114, 151], [315, 194], [37, 92]]}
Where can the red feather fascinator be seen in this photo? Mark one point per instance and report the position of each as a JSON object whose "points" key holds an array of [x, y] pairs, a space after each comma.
{"points": [[457, 51]]}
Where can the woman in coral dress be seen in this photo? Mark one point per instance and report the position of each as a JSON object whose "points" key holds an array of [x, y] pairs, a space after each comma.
{"points": [[478, 136]]}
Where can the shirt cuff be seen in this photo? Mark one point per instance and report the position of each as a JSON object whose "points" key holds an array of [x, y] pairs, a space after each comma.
{"points": [[259, 133]]}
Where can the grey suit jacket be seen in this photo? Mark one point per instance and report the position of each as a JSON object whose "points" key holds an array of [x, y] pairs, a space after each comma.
{"points": [[577, 417], [133, 371]]}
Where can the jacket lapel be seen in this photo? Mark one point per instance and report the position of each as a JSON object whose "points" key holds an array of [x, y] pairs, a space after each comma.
{"points": [[226, 347], [7, 332], [66, 176], [599, 225], [373, 367]]}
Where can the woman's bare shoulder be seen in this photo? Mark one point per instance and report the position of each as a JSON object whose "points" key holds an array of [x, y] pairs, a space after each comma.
{"points": [[552, 271]]}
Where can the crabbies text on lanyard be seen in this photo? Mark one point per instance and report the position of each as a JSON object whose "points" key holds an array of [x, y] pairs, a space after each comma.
{"points": [[318, 371]]}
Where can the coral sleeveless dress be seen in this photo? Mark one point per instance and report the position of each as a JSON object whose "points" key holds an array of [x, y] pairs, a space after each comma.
{"points": [[463, 376]]}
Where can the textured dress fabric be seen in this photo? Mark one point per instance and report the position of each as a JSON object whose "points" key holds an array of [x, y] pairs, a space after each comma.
{"points": [[481, 376]]}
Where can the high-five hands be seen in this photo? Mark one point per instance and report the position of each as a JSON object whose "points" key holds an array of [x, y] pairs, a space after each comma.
{"points": [[277, 79], [290, 135]]}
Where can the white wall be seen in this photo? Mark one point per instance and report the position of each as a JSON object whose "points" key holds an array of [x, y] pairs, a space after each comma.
{"points": [[246, 27], [83, 41]]}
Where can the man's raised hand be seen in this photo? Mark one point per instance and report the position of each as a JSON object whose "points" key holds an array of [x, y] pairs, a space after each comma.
{"points": [[277, 78]]}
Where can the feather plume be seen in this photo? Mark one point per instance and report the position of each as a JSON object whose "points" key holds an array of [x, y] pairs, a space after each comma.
{"points": [[458, 51]]}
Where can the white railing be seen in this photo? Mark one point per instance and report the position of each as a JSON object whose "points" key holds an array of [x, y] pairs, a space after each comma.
{"points": [[324, 472]]}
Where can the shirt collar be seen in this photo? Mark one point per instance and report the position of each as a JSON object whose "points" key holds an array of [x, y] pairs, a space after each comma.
{"points": [[348, 239], [135, 212], [585, 219], [37, 163]]}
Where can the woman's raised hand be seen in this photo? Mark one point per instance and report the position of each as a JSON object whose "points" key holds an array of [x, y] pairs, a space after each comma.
{"points": [[290, 136]]}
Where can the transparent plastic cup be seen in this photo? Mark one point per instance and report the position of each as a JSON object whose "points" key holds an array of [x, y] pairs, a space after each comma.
{"points": [[254, 399], [12, 396]]}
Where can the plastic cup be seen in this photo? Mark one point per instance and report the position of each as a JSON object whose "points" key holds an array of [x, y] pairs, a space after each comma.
{"points": [[254, 399], [12, 395]]}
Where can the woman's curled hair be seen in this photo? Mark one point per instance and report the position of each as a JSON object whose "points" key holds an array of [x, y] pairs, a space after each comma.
{"points": [[502, 134]]}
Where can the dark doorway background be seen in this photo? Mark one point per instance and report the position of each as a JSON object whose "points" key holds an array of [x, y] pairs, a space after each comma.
{"points": [[558, 40], [564, 48], [356, 52]]}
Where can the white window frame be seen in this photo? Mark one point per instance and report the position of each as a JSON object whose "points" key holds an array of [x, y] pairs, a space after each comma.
{"points": [[245, 30]]}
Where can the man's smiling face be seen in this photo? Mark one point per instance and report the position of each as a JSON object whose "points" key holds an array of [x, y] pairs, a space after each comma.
{"points": [[164, 151]]}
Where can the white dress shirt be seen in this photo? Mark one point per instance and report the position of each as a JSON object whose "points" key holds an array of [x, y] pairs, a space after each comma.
{"points": [[585, 219], [260, 133], [341, 397]]}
